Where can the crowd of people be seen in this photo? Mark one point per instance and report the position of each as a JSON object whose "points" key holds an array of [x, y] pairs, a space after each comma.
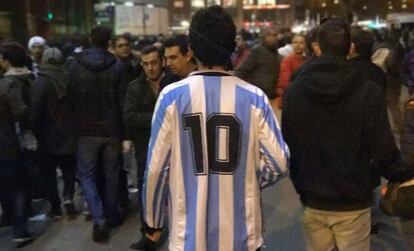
{"points": [[201, 113]]}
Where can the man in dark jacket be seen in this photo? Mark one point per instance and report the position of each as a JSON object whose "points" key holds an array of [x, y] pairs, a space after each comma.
{"points": [[261, 67], [361, 52], [14, 95], [335, 123], [51, 116], [140, 102], [96, 98]]}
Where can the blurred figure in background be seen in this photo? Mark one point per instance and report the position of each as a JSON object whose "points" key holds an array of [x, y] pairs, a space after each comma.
{"points": [[36, 47], [242, 49]]}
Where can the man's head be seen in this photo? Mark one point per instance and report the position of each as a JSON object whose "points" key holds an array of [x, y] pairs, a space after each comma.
{"points": [[362, 43], [12, 55], [52, 56], [212, 34], [312, 42], [100, 36], [241, 39], [177, 56], [151, 62], [36, 47], [121, 47], [269, 37], [334, 37]]}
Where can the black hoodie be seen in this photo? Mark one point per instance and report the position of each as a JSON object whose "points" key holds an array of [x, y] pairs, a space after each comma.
{"points": [[94, 91], [335, 123]]}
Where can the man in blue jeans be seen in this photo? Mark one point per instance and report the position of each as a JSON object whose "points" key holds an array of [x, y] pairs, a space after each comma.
{"points": [[96, 97]]}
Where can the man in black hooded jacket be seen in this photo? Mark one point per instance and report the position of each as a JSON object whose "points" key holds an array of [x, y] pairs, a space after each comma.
{"points": [[96, 96], [335, 123]]}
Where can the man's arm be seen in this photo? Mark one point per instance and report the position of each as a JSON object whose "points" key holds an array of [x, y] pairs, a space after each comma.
{"points": [[158, 163], [18, 108], [274, 152]]}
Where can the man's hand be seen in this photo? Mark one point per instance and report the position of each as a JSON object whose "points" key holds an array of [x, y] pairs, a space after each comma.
{"points": [[127, 146], [154, 236]]}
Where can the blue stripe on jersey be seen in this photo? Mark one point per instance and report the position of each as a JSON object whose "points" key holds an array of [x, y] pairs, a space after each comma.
{"points": [[183, 106], [242, 108], [158, 121], [212, 89], [270, 172], [160, 190], [271, 159]]}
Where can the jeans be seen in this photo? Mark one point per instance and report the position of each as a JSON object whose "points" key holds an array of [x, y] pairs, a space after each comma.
{"points": [[67, 164], [343, 231], [13, 178], [102, 209]]}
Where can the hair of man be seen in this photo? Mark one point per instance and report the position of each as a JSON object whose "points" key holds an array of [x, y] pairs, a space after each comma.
{"points": [[179, 40], [15, 53], [334, 37], [212, 36], [363, 42], [100, 36]]}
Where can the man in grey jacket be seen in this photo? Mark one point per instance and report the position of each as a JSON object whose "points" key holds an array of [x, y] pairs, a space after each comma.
{"points": [[261, 67]]}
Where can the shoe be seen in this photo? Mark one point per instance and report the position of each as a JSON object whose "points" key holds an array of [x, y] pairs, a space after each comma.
{"points": [[56, 213], [144, 244], [70, 208], [100, 233], [22, 237]]}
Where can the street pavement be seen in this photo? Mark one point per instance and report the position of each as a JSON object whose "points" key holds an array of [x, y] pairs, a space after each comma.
{"points": [[282, 212]]}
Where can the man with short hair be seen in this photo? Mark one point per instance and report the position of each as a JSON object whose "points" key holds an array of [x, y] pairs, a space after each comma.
{"points": [[95, 78], [261, 67], [215, 144], [360, 55], [14, 109], [335, 123], [140, 102], [178, 59], [242, 50]]}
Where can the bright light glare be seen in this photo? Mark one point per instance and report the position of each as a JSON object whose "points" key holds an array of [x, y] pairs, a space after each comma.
{"points": [[129, 4], [185, 23]]}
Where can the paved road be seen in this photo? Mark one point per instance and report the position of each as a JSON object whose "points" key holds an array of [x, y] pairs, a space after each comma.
{"points": [[282, 213]]}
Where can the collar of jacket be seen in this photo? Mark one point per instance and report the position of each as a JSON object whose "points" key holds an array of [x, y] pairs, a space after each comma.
{"points": [[17, 71]]}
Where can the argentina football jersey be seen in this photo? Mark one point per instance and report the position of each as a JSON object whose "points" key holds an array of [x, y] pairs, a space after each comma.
{"points": [[215, 143]]}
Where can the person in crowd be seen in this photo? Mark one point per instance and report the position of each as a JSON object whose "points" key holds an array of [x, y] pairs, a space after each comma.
{"points": [[287, 48], [289, 65], [242, 49], [53, 126], [335, 123], [260, 66], [362, 43], [360, 56], [96, 97], [121, 48], [14, 110], [140, 102], [178, 59], [36, 47], [407, 70], [208, 105]]}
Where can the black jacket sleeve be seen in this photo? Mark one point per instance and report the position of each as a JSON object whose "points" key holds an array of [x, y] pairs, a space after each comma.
{"points": [[19, 109], [134, 116], [38, 104]]}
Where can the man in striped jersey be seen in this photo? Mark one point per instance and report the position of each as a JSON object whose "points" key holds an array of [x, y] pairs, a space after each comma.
{"points": [[215, 144]]}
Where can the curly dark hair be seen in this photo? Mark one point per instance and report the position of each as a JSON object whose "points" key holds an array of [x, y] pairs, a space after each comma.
{"points": [[212, 36]]}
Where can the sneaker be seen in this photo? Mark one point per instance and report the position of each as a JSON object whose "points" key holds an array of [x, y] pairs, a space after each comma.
{"points": [[100, 233], [144, 244], [70, 208], [22, 237]]}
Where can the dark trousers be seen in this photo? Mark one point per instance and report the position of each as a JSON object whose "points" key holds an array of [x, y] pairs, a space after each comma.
{"points": [[67, 163], [13, 179], [141, 158], [102, 209]]}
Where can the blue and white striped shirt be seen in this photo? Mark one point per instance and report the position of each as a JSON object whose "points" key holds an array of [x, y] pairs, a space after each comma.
{"points": [[215, 143]]}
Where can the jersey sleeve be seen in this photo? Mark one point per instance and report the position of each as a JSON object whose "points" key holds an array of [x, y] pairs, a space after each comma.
{"points": [[154, 194], [273, 151]]}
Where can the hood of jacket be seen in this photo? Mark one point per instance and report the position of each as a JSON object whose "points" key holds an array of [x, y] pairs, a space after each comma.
{"points": [[330, 79], [96, 59], [58, 75]]}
